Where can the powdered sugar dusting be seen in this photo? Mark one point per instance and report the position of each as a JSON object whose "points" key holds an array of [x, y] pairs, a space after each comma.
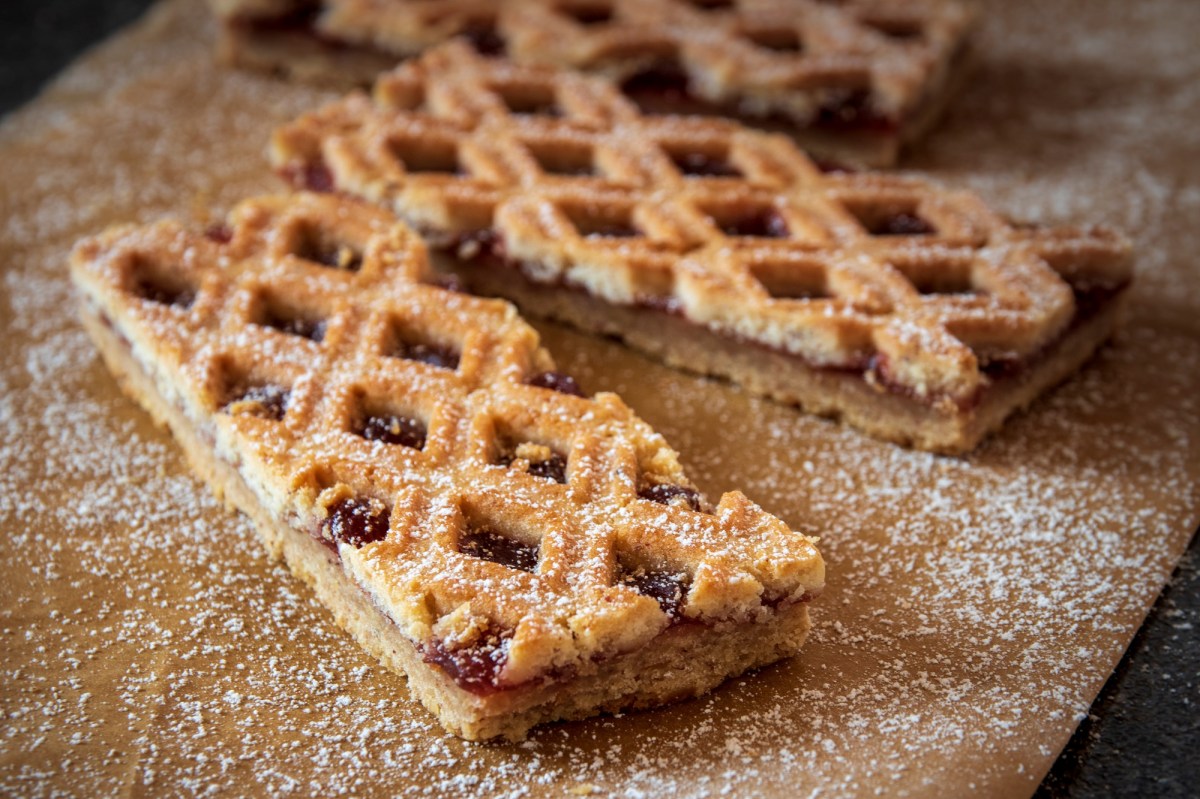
{"points": [[974, 606]]}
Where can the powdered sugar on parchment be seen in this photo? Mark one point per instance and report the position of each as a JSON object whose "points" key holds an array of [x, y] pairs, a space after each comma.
{"points": [[973, 608]]}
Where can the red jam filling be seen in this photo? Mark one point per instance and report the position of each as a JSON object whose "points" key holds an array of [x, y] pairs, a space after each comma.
{"points": [[392, 429], [553, 468], [901, 224], [667, 589], [431, 354], [851, 110], [556, 381], [664, 494], [702, 165], [162, 293], [313, 330], [765, 223], [487, 544], [221, 234], [475, 668], [356, 522]]}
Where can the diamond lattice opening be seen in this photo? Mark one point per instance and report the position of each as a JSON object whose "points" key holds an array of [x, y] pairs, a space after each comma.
{"points": [[539, 460], [904, 30], [414, 345], [556, 381], [356, 521], [161, 286], [386, 423], [318, 246], [564, 158], [663, 79], [901, 219], [939, 277], [588, 13], [533, 99], [286, 319], [672, 495], [792, 280], [696, 163], [779, 40], [486, 543], [252, 396], [483, 37], [603, 222], [668, 588], [749, 222], [426, 155]]}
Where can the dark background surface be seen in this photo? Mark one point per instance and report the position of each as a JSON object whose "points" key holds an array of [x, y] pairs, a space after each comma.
{"points": [[1142, 737]]}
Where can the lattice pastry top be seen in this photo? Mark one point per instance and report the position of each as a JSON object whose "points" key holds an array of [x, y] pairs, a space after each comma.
{"points": [[859, 61], [922, 288], [509, 525]]}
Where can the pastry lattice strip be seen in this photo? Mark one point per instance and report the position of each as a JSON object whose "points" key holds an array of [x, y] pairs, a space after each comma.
{"points": [[922, 287], [869, 68], [514, 533]]}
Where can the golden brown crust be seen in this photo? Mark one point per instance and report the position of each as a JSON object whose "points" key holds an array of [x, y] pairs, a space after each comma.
{"points": [[870, 70], [280, 340], [915, 286]]}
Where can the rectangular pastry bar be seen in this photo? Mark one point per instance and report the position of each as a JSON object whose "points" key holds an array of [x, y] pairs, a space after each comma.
{"points": [[521, 552], [909, 310], [852, 81]]}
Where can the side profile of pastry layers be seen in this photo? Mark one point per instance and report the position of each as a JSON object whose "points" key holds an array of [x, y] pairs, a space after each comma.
{"points": [[521, 552], [910, 310], [853, 80]]}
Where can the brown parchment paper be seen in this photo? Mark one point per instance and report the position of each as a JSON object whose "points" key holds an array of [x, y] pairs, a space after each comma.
{"points": [[975, 606]]}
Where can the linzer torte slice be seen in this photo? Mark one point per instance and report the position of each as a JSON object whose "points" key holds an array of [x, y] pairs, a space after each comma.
{"points": [[910, 310], [521, 552], [853, 81]]}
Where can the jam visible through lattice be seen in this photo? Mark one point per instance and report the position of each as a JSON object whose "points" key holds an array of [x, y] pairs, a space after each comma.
{"points": [[295, 324], [393, 429], [540, 460], [696, 164], [356, 521], [151, 285], [407, 346], [668, 589], [264, 400], [475, 667], [757, 222], [490, 545], [556, 381]]}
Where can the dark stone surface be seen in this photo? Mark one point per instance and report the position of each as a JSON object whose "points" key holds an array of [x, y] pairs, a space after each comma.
{"points": [[1143, 734]]}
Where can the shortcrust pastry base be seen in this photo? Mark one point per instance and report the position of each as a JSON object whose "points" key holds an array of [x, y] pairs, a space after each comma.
{"points": [[685, 661], [831, 393]]}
